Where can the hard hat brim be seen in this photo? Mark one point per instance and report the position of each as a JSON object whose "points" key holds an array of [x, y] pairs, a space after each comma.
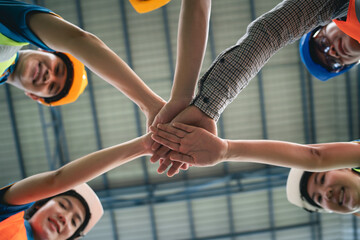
{"points": [[144, 6], [93, 202]]}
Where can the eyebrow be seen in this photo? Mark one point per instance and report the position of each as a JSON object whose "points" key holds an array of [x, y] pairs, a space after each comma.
{"points": [[316, 176], [72, 207], [315, 180]]}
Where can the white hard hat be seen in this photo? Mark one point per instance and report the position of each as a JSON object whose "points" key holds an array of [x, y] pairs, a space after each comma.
{"points": [[296, 182], [93, 204]]}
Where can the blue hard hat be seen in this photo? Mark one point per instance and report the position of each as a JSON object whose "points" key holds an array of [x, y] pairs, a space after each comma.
{"points": [[316, 69]]}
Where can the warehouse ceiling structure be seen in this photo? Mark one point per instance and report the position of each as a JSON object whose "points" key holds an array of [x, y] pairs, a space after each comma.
{"points": [[231, 201]]}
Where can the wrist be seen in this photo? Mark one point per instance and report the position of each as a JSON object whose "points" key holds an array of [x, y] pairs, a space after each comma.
{"points": [[183, 99], [225, 146], [152, 107]]}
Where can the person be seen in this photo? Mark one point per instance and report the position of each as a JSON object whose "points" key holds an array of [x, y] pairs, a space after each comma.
{"points": [[232, 70], [56, 75], [325, 192], [65, 207], [331, 186]]}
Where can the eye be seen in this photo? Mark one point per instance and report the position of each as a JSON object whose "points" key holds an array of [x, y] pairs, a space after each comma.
{"points": [[51, 87], [319, 199], [57, 69], [62, 205], [73, 222], [322, 180]]}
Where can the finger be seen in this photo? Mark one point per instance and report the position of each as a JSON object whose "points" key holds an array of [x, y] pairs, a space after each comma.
{"points": [[155, 146], [168, 136], [174, 169], [162, 151], [165, 142], [164, 165], [183, 127], [153, 129], [184, 166], [154, 158], [172, 130], [176, 156]]}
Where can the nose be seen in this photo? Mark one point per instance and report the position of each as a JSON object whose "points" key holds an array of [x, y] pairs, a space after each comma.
{"points": [[62, 219], [47, 76], [329, 193], [332, 51]]}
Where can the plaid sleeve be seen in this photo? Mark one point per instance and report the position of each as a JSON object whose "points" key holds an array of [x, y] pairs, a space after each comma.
{"points": [[236, 66]]}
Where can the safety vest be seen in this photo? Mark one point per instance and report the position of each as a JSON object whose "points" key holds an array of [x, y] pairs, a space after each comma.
{"points": [[351, 26], [13, 227], [9, 50]]}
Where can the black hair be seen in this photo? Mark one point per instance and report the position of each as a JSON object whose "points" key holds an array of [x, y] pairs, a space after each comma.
{"points": [[303, 189], [68, 81], [37, 205]]}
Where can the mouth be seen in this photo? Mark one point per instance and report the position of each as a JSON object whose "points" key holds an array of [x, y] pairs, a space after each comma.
{"points": [[54, 224], [342, 196], [37, 74]]}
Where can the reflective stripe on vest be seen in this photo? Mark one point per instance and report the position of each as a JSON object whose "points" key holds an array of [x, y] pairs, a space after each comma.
{"points": [[13, 227], [8, 47], [351, 26]]}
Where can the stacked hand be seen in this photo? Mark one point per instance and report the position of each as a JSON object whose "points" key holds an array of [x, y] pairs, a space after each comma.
{"points": [[190, 115], [193, 145]]}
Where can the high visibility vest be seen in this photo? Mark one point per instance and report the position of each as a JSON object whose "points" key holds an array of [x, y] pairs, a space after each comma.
{"points": [[351, 26], [13, 227], [11, 47]]}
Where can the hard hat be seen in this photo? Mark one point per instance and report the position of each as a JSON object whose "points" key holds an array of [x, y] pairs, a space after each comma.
{"points": [[296, 191], [314, 68], [144, 6], [93, 205], [75, 84]]}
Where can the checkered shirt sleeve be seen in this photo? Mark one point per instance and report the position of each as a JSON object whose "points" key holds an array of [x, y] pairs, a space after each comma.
{"points": [[236, 66]]}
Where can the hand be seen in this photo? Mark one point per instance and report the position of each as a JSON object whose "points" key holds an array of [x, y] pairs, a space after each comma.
{"points": [[170, 110], [192, 145], [192, 116]]}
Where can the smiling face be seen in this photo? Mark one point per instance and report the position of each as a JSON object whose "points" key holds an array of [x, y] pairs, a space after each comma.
{"points": [[333, 46], [336, 190], [39, 73], [58, 219]]}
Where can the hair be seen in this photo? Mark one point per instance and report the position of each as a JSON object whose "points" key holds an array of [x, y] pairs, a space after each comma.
{"points": [[38, 204], [69, 79], [303, 189]]}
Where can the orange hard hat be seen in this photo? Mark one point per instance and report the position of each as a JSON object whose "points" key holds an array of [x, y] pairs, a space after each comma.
{"points": [[144, 6], [75, 84]]}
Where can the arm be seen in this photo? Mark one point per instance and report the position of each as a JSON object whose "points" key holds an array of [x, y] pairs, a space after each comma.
{"points": [[198, 147], [192, 37], [84, 169], [63, 36], [235, 67]]}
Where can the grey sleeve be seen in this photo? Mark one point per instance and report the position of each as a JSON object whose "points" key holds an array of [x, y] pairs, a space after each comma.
{"points": [[236, 66]]}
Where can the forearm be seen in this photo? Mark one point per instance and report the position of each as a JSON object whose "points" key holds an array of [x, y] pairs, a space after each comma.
{"points": [[106, 64], [321, 157], [192, 37], [74, 173], [236, 66]]}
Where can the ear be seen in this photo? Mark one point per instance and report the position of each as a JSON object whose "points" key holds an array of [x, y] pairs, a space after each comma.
{"points": [[32, 96]]}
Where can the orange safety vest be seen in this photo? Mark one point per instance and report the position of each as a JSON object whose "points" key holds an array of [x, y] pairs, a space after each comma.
{"points": [[13, 227], [352, 24]]}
